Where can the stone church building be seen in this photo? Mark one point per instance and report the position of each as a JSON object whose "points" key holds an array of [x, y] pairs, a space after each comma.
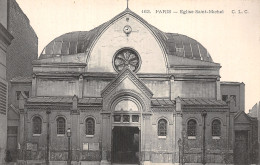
{"points": [[129, 93]]}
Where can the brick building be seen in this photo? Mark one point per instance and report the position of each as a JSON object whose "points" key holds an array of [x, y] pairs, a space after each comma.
{"points": [[130, 93]]}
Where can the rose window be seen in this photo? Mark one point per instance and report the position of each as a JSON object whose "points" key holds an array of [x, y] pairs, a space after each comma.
{"points": [[126, 58]]}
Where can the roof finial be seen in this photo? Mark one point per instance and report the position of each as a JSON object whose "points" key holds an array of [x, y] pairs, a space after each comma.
{"points": [[127, 4]]}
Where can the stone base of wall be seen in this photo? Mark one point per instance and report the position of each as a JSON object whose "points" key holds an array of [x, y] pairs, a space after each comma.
{"points": [[32, 162], [151, 163], [35, 162]]}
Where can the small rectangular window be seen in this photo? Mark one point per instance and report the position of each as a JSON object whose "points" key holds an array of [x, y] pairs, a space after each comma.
{"points": [[224, 98], [234, 98], [126, 118], [135, 118], [26, 93], [18, 94], [117, 118]]}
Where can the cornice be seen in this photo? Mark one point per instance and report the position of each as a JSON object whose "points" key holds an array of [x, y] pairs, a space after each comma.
{"points": [[58, 64], [195, 67]]}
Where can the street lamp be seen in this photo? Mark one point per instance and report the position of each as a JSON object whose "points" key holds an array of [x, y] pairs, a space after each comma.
{"points": [[204, 114], [69, 150]]}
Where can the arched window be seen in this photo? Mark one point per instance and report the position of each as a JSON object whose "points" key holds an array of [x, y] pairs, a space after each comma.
{"points": [[37, 125], [192, 127], [216, 128], [162, 127], [61, 125], [90, 126]]}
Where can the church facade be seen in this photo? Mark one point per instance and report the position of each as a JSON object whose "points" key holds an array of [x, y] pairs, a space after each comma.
{"points": [[129, 93]]}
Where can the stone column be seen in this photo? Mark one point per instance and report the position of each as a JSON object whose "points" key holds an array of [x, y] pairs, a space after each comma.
{"points": [[106, 138]]}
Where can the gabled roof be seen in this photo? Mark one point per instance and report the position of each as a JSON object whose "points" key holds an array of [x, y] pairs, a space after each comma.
{"points": [[242, 113], [174, 44], [126, 72]]}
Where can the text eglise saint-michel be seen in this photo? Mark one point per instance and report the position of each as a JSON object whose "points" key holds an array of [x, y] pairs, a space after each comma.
{"points": [[168, 11]]}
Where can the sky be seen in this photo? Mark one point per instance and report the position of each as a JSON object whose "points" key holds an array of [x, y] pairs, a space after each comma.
{"points": [[232, 37]]}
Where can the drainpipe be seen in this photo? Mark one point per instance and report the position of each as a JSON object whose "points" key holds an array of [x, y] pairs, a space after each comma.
{"points": [[204, 114], [48, 137]]}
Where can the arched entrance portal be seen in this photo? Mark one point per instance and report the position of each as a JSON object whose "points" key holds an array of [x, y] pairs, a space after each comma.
{"points": [[126, 134]]}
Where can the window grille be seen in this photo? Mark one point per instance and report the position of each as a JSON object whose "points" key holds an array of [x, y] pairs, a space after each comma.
{"points": [[216, 128], [117, 118], [126, 118], [162, 127], [192, 127], [90, 126], [135, 118], [37, 125], [61, 126]]}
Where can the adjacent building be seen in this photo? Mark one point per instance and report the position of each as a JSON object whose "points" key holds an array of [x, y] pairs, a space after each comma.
{"points": [[254, 112], [5, 41], [19, 56]]}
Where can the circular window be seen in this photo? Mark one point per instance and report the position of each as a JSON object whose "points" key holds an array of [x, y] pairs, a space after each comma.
{"points": [[126, 58]]}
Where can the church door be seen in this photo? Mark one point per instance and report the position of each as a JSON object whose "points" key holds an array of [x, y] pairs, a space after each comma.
{"points": [[241, 148], [125, 145]]}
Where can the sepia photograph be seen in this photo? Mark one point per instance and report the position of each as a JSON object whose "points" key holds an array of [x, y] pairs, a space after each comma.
{"points": [[129, 82]]}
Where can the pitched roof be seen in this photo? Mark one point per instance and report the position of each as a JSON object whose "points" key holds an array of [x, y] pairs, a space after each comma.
{"points": [[61, 99], [202, 101], [162, 102], [80, 42]]}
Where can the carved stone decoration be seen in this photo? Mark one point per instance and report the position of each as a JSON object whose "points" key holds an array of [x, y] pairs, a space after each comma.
{"points": [[126, 58]]}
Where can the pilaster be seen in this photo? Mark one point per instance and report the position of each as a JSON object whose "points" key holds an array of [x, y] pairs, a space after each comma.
{"points": [[106, 139], [22, 126], [218, 94], [146, 138], [171, 88], [34, 85], [81, 86], [178, 130], [75, 135]]}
